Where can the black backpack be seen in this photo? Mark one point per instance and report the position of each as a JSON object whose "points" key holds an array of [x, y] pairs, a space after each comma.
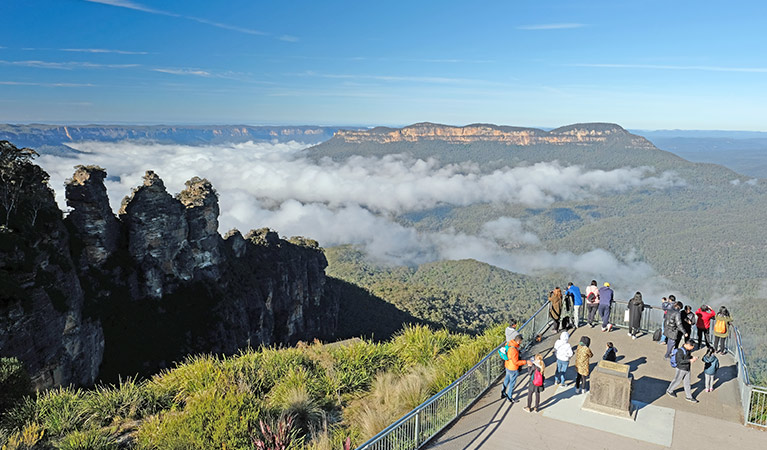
{"points": [[657, 335]]}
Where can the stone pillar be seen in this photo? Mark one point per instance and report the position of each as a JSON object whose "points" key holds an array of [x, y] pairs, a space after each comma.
{"points": [[610, 392]]}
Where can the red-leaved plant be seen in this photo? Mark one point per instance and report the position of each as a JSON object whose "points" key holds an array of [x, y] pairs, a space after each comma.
{"points": [[274, 437]]}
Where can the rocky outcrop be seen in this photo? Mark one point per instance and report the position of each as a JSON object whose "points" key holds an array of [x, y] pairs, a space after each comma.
{"points": [[157, 233], [148, 287], [98, 229], [43, 317], [579, 134]]}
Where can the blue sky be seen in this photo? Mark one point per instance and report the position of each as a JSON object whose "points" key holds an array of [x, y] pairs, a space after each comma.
{"points": [[642, 64]]}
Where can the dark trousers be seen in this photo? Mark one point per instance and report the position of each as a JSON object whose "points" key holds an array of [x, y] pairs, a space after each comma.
{"points": [[719, 343], [604, 311], [580, 379], [532, 389], [670, 343], [556, 325], [592, 311], [703, 336]]}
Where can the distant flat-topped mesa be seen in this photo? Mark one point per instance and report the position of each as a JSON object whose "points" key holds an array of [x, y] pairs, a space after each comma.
{"points": [[572, 134]]}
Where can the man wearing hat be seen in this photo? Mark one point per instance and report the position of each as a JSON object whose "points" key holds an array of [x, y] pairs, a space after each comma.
{"points": [[605, 301]]}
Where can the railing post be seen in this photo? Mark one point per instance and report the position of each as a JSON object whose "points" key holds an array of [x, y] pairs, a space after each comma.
{"points": [[457, 396], [417, 439]]}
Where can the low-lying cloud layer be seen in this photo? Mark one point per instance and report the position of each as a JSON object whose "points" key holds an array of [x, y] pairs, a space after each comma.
{"points": [[356, 201]]}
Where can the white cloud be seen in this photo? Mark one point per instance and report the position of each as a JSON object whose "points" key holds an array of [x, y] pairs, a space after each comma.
{"points": [[551, 26], [509, 231], [357, 201], [66, 65], [392, 184], [139, 7], [673, 67], [195, 72], [102, 50], [30, 83]]}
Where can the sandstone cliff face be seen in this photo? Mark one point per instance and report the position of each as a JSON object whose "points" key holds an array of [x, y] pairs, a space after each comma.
{"points": [[580, 134], [97, 296], [92, 216], [179, 287], [43, 318]]}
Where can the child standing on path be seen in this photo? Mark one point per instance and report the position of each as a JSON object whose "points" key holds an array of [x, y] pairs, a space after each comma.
{"points": [[710, 366], [582, 356], [537, 379], [563, 352]]}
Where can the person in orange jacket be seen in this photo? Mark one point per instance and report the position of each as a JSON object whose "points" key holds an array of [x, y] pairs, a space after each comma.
{"points": [[512, 364]]}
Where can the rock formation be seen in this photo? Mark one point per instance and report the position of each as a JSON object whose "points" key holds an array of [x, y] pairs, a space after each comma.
{"points": [[580, 134], [151, 286], [43, 319]]}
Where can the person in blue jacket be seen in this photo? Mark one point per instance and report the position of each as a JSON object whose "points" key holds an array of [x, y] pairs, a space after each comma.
{"points": [[577, 302]]}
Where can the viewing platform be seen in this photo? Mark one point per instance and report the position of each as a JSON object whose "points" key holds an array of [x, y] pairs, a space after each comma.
{"points": [[660, 421], [470, 413]]}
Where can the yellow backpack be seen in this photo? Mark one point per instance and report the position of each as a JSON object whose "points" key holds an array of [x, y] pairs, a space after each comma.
{"points": [[720, 327]]}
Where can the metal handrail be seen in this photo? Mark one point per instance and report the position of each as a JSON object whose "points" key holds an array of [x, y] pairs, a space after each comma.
{"points": [[416, 440], [408, 433], [753, 398]]}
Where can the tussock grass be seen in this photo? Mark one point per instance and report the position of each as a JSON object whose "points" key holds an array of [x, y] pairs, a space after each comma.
{"points": [[87, 440], [60, 411], [419, 344], [107, 404], [207, 402]]}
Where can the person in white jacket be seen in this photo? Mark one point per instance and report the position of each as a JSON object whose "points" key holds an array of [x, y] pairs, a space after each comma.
{"points": [[564, 351]]}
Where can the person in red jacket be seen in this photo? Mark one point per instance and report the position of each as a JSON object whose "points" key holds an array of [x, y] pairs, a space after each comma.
{"points": [[512, 364], [704, 314]]}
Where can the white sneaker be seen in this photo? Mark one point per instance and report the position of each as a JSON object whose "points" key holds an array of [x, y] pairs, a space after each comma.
{"points": [[634, 338], [577, 391], [609, 326], [629, 334]]}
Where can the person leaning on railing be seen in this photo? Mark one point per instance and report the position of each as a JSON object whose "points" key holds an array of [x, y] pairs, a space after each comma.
{"points": [[721, 329]]}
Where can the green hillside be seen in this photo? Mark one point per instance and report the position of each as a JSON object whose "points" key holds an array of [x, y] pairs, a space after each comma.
{"points": [[466, 295], [322, 394], [706, 236]]}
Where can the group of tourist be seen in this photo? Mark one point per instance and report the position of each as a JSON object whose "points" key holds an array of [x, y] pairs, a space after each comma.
{"points": [[677, 326], [598, 300]]}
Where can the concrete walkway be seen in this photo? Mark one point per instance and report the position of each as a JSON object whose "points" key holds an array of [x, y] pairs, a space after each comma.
{"points": [[660, 422]]}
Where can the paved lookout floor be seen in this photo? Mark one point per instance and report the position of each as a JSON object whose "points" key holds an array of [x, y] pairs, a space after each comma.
{"points": [[660, 421]]}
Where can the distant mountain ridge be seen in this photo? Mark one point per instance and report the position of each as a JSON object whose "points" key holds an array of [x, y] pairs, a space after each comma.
{"points": [[53, 138], [578, 134]]}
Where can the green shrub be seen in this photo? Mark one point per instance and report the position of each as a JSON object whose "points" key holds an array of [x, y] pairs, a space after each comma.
{"points": [[14, 382], [419, 344], [195, 374], [87, 440], [356, 365], [107, 404], [61, 410], [212, 419], [25, 439], [292, 397]]}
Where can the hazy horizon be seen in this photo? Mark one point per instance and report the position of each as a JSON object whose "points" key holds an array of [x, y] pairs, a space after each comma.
{"points": [[172, 61]]}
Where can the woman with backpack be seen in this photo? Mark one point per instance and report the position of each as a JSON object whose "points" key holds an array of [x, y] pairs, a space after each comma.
{"points": [[537, 379], [592, 301], [721, 329]]}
